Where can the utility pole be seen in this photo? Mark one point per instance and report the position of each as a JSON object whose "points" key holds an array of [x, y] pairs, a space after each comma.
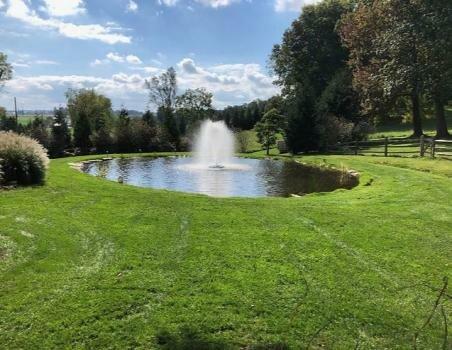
{"points": [[15, 113]]}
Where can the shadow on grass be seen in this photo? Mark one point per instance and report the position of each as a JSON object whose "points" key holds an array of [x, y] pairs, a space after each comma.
{"points": [[190, 339]]}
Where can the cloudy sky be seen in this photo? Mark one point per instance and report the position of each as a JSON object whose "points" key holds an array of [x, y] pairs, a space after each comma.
{"points": [[114, 45]]}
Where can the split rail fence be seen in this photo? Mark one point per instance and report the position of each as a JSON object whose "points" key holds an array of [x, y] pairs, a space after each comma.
{"points": [[423, 147]]}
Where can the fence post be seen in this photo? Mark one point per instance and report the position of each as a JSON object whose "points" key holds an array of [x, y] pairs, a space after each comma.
{"points": [[422, 146], [356, 148], [433, 149], [386, 146]]}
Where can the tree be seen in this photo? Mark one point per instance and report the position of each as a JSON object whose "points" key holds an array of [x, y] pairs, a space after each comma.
{"points": [[7, 123], [163, 89], [93, 105], [435, 58], [82, 132], [124, 142], [309, 57], [386, 47], [194, 105], [60, 135], [6, 71], [148, 118], [38, 130], [162, 94], [101, 137], [267, 129], [91, 116]]}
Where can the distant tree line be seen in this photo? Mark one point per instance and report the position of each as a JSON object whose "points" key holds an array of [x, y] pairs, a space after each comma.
{"points": [[245, 117]]}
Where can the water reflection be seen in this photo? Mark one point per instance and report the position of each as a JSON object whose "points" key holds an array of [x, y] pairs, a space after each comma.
{"points": [[250, 177]]}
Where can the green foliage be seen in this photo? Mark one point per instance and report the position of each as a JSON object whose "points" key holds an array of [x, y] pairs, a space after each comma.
{"points": [[194, 106], [91, 117], [124, 141], [94, 263], [6, 70], [22, 159], [60, 136], [7, 123], [246, 116], [149, 118], [82, 132], [38, 129], [400, 48], [308, 73], [268, 128]]}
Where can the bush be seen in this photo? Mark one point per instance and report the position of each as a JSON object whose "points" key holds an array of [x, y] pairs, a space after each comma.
{"points": [[22, 159]]}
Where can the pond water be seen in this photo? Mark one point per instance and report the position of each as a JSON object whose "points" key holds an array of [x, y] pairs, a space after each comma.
{"points": [[243, 178]]}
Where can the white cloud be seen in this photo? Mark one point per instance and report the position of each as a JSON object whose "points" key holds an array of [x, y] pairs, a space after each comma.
{"points": [[230, 83], [29, 63], [46, 62], [280, 5], [116, 57], [59, 8], [132, 6], [2, 4], [293, 5], [18, 9], [209, 3], [216, 3], [132, 59], [167, 2]]}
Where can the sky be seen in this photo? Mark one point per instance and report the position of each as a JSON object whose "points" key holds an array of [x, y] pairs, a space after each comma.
{"points": [[113, 46]]}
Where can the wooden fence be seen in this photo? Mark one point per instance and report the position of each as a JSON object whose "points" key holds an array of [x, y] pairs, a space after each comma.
{"points": [[386, 147]]}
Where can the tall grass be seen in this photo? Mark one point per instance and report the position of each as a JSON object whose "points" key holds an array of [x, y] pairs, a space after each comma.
{"points": [[22, 160]]}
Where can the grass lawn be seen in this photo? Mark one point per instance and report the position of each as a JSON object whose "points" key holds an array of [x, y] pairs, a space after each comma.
{"points": [[406, 129], [88, 263]]}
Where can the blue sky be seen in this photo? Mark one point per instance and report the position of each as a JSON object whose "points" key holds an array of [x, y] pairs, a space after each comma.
{"points": [[113, 46]]}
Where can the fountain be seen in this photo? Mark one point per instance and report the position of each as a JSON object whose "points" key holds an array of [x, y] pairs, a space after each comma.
{"points": [[214, 147]]}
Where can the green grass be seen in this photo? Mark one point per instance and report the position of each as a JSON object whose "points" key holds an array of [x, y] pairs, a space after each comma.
{"points": [[88, 263], [406, 129]]}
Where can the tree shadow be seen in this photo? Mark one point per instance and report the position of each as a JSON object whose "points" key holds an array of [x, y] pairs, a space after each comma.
{"points": [[191, 339]]}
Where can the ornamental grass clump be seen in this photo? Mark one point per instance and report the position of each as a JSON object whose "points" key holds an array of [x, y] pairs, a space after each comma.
{"points": [[23, 161]]}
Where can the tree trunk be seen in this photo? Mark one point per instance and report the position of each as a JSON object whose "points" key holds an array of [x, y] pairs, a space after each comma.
{"points": [[417, 120], [268, 149], [441, 125]]}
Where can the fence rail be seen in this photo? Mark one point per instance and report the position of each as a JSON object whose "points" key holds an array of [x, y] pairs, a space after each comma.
{"points": [[423, 146]]}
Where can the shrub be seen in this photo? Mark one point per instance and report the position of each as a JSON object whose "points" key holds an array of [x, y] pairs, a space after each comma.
{"points": [[22, 159]]}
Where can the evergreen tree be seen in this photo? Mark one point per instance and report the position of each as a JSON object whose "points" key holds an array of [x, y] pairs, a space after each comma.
{"points": [[101, 137], [124, 141], [38, 130], [60, 135], [149, 118], [82, 132]]}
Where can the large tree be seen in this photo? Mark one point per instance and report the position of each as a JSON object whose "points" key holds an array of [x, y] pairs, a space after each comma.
{"points": [[309, 57], [162, 94], [436, 58], [91, 117], [399, 49], [194, 105], [96, 107]]}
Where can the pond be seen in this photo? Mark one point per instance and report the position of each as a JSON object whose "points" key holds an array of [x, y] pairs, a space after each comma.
{"points": [[244, 178]]}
